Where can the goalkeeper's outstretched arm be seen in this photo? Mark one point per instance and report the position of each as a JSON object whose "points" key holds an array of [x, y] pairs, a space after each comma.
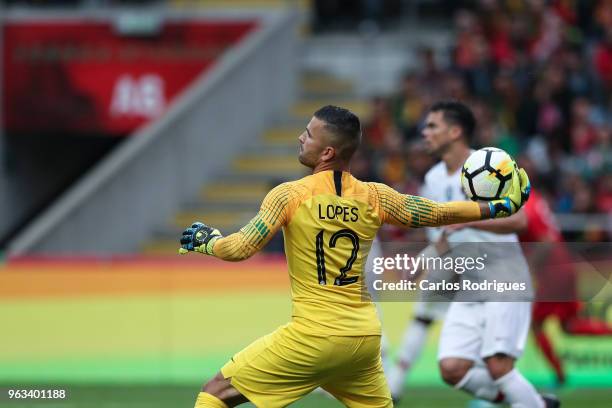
{"points": [[251, 238], [413, 211]]}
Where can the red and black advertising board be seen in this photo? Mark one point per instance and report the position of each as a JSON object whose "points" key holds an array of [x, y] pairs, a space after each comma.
{"points": [[81, 76]]}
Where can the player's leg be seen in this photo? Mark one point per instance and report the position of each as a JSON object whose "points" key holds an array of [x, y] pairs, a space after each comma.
{"points": [[586, 327], [471, 377], [366, 390], [413, 343], [219, 393], [432, 305], [541, 311], [506, 328], [358, 379], [459, 352], [546, 347], [453, 370], [274, 371], [410, 349], [517, 391], [572, 323]]}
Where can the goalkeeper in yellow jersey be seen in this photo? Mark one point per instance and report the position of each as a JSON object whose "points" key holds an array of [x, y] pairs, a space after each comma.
{"points": [[329, 220]]}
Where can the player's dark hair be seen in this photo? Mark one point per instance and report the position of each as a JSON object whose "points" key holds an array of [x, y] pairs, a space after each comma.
{"points": [[457, 113], [345, 127]]}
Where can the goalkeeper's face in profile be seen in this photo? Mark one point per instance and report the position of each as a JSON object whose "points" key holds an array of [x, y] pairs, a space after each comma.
{"points": [[315, 145], [330, 139]]}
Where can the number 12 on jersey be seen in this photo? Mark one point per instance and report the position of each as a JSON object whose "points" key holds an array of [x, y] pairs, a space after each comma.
{"points": [[322, 273]]}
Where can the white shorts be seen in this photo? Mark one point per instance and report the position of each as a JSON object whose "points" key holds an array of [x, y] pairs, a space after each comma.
{"points": [[474, 331]]}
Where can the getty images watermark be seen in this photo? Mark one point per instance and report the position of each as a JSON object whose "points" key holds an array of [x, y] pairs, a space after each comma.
{"points": [[486, 271], [466, 271], [436, 274]]}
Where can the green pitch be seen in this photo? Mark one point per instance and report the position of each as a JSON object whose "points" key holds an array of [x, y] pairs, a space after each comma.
{"points": [[184, 338], [155, 396], [157, 347]]}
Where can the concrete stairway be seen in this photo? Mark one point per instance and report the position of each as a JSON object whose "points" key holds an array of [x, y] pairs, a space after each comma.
{"points": [[235, 197]]}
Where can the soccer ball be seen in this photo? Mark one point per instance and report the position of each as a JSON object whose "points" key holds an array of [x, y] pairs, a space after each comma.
{"points": [[486, 175]]}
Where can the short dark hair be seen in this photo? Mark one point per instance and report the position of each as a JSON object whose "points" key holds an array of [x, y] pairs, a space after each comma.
{"points": [[345, 127], [457, 113]]}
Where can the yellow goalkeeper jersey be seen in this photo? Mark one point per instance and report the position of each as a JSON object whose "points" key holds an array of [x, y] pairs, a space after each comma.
{"points": [[329, 220]]}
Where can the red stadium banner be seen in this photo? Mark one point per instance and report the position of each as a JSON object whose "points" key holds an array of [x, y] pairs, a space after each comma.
{"points": [[84, 76]]}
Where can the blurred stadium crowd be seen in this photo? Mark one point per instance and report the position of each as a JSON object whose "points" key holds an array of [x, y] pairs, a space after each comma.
{"points": [[538, 75]]}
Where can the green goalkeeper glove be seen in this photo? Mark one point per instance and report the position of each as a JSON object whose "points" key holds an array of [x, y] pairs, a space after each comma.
{"points": [[199, 238], [517, 195]]}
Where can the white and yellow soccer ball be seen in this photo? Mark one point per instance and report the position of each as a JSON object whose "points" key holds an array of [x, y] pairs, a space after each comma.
{"points": [[487, 174]]}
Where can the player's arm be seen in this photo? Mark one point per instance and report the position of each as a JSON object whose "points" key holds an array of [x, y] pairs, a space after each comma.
{"points": [[414, 211], [514, 224], [249, 239]]}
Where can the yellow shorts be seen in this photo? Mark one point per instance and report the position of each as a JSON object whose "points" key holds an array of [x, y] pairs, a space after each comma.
{"points": [[287, 364]]}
